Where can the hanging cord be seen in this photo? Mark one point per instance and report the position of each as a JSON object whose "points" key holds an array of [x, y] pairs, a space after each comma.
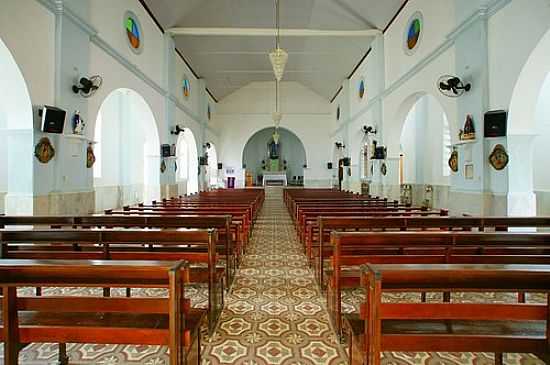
{"points": [[277, 42]]}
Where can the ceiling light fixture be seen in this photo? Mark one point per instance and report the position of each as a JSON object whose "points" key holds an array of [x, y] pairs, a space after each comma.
{"points": [[278, 57]]}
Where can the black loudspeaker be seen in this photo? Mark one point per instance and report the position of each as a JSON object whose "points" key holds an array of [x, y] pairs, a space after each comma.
{"points": [[53, 119], [495, 123], [329, 165], [347, 161], [165, 150], [380, 153], [220, 166], [203, 161]]}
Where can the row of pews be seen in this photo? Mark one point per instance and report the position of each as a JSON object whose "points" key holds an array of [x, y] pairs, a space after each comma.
{"points": [[172, 245], [417, 271]]}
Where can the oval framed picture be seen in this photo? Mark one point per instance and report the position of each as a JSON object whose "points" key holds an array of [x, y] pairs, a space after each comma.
{"points": [[453, 161], [413, 33], [499, 157], [133, 31], [384, 169], [361, 89]]}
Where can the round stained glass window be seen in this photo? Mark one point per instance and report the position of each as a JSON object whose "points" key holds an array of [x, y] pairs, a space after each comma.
{"points": [[133, 32], [414, 32], [361, 89], [186, 87]]}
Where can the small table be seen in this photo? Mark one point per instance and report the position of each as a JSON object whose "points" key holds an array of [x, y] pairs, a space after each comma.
{"points": [[276, 177]]}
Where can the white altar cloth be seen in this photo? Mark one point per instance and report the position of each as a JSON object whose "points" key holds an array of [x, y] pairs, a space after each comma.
{"points": [[274, 176]]}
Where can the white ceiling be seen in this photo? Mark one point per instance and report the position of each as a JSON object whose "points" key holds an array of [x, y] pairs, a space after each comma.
{"points": [[228, 63]]}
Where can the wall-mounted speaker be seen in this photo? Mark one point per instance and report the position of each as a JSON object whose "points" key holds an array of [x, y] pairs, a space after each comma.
{"points": [[329, 165], [347, 161], [220, 166], [53, 119], [165, 150], [495, 123]]}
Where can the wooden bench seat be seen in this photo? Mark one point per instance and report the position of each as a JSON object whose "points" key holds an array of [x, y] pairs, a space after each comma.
{"points": [[152, 321], [353, 249], [452, 327], [196, 246], [227, 232]]}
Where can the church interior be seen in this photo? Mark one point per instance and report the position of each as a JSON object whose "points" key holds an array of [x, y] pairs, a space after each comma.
{"points": [[313, 182]]}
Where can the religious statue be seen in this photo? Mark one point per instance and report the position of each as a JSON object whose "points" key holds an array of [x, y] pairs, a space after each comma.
{"points": [[273, 150]]}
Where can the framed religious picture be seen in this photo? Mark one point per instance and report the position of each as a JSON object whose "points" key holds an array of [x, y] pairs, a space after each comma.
{"points": [[499, 157], [384, 169], [44, 150], [90, 156], [453, 161]]}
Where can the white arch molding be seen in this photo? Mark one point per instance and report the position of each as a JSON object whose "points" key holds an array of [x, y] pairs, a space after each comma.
{"points": [[255, 150], [127, 169], [188, 164], [16, 139], [212, 166], [522, 130], [424, 120]]}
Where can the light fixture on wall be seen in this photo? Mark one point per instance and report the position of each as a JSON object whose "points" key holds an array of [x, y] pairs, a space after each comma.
{"points": [[87, 87], [177, 130], [278, 57], [452, 86], [207, 146], [339, 145]]}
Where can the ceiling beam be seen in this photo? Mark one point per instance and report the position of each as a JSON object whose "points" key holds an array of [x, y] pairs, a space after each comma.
{"points": [[271, 32]]}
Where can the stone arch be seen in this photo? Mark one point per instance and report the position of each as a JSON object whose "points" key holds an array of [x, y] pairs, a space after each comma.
{"points": [[16, 138], [255, 150], [127, 169], [522, 130]]}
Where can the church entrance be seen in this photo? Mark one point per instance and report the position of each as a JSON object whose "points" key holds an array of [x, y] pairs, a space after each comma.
{"points": [[271, 158]]}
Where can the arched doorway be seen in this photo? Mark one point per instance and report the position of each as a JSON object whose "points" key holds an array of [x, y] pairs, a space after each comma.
{"points": [[528, 135], [16, 138], [127, 152], [259, 155], [425, 147], [188, 164], [212, 174]]}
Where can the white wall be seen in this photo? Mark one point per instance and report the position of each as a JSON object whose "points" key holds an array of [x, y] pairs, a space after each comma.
{"points": [[96, 29], [248, 110]]}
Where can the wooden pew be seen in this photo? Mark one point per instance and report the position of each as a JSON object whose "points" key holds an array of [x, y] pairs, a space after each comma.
{"points": [[455, 327], [239, 217], [327, 224], [133, 321], [310, 220], [195, 246], [227, 231], [353, 249]]}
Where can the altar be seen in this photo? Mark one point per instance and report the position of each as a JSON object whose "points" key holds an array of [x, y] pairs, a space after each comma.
{"points": [[275, 177]]}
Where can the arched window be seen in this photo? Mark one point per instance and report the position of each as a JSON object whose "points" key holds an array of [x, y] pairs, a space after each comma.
{"points": [[183, 159], [98, 165], [447, 146]]}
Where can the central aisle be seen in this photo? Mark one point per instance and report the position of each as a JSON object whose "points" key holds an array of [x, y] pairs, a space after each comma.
{"points": [[274, 313]]}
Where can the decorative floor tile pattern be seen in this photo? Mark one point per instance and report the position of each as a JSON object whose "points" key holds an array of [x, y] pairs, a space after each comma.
{"points": [[274, 311], [274, 314]]}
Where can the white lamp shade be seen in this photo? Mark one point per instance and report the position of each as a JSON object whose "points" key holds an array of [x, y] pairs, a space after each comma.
{"points": [[278, 58]]}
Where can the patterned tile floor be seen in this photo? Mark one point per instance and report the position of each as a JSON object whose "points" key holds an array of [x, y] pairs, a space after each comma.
{"points": [[274, 314]]}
